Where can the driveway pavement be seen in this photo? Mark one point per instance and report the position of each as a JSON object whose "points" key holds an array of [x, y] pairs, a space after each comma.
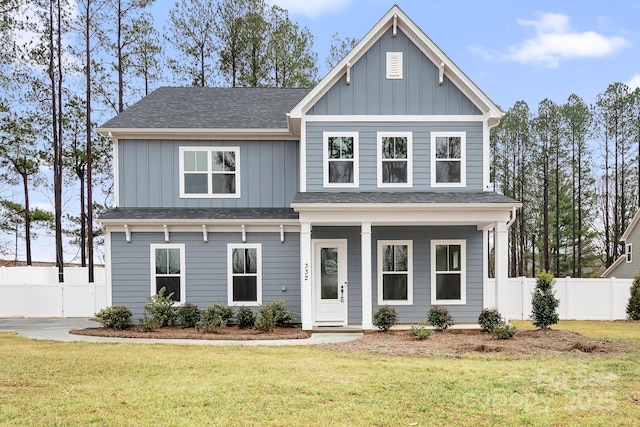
{"points": [[58, 330]]}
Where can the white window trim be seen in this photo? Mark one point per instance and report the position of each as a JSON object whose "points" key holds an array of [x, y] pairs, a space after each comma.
{"points": [[183, 275], [230, 248], [209, 150], [463, 272], [409, 300], [629, 252], [325, 160], [409, 160], [463, 159]]}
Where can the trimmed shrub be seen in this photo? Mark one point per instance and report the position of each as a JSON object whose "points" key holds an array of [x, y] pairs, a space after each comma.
{"points": [[504, 331], [439, 317], [420, 332], [214, 318], [489, 318], [159, 311], [245, 318], [273, 314], [544, 303], [188, 315], [385, 317], [116, 317], [633, 306]]}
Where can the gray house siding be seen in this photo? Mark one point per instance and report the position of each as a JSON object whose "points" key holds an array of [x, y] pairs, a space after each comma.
{"points": [[629, 270], [421, 237], [370, 92], [149, 174], [367, 135], [206, 267]]}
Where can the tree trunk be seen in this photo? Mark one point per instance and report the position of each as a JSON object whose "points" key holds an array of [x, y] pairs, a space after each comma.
{"points": [[88, 227], [27, 217]]}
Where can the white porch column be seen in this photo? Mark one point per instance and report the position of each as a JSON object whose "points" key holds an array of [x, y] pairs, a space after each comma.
{"points": [[501, 268], [367, 315], [306, 296]]}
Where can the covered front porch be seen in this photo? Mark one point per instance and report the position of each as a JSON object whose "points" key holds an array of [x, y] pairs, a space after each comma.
{"points": [[347, 240]]}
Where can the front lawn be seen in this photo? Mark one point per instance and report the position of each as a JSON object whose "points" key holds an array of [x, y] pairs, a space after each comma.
{"points": [[50, 383]]}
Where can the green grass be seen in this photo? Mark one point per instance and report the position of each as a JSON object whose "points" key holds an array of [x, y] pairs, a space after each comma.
{"points": [[51, 383]]}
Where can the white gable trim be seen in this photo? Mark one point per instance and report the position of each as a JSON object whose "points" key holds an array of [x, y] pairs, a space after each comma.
{"points": [[631, 226], [428, 48]]}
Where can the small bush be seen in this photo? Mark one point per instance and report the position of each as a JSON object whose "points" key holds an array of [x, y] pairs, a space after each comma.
{"points": [[544, 303], [633, 306], [245, 318], [188, 315], [489, 318], [273, 314], [215, 318], [159, 311], [439, 317], [504, 331], [420, 332], [117, 317], [385, 317]]}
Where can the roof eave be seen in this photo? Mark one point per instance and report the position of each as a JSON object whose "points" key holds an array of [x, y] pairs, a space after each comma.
{"points": [[189, 133], [405, 206]]}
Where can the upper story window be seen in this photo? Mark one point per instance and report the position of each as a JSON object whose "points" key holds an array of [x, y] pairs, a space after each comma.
{"points": [[395, 272], [340, 159], [448, 163], [209, 172], [629, 252], [448, 272], [168, 271], [394, 159]]}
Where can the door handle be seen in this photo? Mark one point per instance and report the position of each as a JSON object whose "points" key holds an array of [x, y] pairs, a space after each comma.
{"points": [[342, 292]]}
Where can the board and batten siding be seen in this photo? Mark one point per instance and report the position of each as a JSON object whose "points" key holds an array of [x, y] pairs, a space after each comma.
{"points": [[206, 267], [367, 151], [149, 174], [421, 237], [371, 93]]}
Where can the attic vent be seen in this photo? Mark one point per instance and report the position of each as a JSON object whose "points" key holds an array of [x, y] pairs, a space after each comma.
{"points": [[394, 65]]}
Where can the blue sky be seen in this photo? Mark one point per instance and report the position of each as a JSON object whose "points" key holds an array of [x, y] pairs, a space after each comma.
{"points": [[513, 50]]}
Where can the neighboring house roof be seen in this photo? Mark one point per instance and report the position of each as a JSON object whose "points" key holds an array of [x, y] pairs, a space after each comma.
{"points": [[609, 271], [209, 108], [196, 214], [398, 19], [404, 197], [625, 236]]}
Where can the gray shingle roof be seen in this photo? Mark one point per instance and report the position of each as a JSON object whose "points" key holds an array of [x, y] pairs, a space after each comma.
{"points": [[403, 197], [198, 213], [210, 108]]}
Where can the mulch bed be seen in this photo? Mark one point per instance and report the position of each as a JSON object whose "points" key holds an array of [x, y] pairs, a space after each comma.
{"points": [[227, 333]]}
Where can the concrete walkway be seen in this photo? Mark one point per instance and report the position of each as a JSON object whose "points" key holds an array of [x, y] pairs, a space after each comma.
{"points": [[58, 330]]}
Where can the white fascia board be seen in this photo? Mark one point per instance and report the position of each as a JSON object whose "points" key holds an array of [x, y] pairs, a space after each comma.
{"points": [[186, 133], [396, 118], [196, 221], [210, 229], [631, 226], [394, 207], [612, 267], [425, 44]]}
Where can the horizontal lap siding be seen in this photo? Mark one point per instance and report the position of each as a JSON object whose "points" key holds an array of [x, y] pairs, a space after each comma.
{"points": [[206, 267], [149, 173], [367, 136]]}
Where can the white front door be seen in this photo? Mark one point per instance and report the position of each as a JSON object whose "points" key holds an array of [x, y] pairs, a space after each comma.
{"points": [[330, 282]]}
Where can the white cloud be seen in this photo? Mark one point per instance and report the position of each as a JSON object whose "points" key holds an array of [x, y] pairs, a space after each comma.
{"points": [[556, 41], [312, 8], [634, 82]]}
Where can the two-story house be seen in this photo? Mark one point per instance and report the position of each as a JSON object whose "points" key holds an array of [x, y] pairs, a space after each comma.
{"points": [[372, 188]]}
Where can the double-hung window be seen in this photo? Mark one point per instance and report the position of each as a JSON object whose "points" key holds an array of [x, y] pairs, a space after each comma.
{"points": [[629, 253], [209, 172], [244, 274], [448, 272], [448, 168], [394, 159], [395, 272], [340, 156], [168, 270]]}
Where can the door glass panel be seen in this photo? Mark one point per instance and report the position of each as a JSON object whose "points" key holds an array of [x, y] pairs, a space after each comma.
{"points": [[329, 273]]}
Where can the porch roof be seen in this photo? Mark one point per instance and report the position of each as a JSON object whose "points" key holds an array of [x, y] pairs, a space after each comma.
{"points": [[405, 197], [150, 215]]}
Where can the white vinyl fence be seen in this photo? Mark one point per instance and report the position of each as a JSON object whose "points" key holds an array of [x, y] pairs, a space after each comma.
{"points": [[35, 292], [580, 299]]}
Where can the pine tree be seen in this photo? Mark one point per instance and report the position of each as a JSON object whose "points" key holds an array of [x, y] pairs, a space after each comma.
{"points": [[544, 302], [633, 306]]}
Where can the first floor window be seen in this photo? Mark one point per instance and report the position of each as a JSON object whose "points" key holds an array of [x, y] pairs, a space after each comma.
{"points": [[448, 159], [395, 281], [448, 272], [245, 275], [167, 271], [341, 159], [209, 172]]}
